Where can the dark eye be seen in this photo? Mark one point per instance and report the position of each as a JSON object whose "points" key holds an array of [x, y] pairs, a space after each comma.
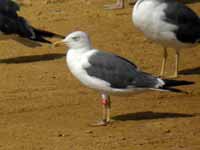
{"points": [[76, 38]]}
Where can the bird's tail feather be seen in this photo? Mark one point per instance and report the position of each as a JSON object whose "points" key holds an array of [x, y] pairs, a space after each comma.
{"points": [[26, 30], [174, 83], [40, 34], [41, 39], [44, 33], [169, 89], [169, 84]]}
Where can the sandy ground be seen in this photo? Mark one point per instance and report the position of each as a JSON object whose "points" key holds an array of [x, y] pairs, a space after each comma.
{"points": [[43, 107]]}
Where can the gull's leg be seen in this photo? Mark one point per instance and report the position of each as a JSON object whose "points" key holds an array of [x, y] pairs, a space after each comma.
{"points": [[177, 57], [164, 61], [118, 5], [177, 64], [132, 2], [105, 111], [108, 110]]}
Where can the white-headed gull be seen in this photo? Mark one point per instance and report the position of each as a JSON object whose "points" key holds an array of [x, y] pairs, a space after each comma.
{"points": [[107, 72]]}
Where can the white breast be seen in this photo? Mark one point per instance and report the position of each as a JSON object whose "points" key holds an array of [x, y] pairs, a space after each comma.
{"points": [[148, 16], [77, 62]]}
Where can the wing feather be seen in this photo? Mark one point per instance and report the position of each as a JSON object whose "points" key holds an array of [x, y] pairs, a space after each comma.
{"points": [[119, 72]]}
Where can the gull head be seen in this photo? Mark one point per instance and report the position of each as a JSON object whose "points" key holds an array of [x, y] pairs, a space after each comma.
{"points": [[75, 40]]}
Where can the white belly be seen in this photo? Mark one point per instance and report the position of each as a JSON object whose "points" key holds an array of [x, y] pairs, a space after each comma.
{"points": [[148, 16]]}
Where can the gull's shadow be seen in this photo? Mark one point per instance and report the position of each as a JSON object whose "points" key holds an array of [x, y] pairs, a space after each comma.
{"points": [[190, 71], [32, 58], [150, 116]]}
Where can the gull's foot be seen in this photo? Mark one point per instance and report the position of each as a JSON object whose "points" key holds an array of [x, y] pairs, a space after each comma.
{"points": [[113, 6], [173, 76], [161, 76], [99, 123]]}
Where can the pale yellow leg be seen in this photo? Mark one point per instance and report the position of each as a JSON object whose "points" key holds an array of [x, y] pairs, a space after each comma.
{"points": [[104, 116], [106, 111], [165, 54], [108, 107], [177, 64]]}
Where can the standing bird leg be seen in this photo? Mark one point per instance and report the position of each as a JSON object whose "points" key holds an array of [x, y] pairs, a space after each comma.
{"points": [[177, 63], [106, 111], [106, 108], [165, 54], [118, 5]]}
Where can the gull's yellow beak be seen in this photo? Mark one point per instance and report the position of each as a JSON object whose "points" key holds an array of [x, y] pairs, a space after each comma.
{"points": [[58, 43]]}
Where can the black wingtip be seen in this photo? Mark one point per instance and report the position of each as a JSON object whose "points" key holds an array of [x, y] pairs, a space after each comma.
{"points": [[173, 83], [41, 34], [169, 84], [44, 33], [41, 39], [173, 90]]}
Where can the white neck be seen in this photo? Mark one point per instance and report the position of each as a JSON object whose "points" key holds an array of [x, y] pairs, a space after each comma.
{"points": [[80, 50]]}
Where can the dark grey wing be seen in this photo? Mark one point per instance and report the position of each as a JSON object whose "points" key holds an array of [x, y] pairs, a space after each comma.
{"points": [[185, 19], [11, 23], [119, 72], [16, 25], [9, 7]]}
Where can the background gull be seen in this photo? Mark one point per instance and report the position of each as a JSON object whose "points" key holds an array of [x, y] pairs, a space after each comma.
{"points": [[108, 73], [11, 24], [169, 23]]}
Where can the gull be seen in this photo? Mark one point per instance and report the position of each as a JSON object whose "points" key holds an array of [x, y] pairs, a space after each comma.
{"points": [[169, 23], [106, 72], [12, 25]]}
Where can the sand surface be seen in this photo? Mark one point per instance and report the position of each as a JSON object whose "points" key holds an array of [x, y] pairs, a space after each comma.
{"points": [[43, 107]]}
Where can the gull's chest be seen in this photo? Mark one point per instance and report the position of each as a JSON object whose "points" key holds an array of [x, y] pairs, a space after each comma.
{"points": [[149, 17], [75, 62], [143, 15]]}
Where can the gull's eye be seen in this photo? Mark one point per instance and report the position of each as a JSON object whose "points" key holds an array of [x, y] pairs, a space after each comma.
{"points": [[76, 38]]}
